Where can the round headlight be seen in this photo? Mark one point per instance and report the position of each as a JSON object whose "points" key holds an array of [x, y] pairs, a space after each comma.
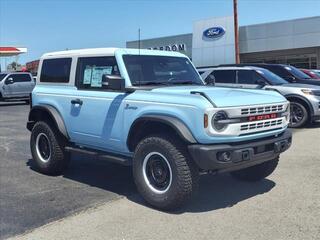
{"points": [[217, 120]]}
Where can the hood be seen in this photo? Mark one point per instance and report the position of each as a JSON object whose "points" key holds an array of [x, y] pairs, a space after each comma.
{"points": [[310, 81], [301, 85], [227, 97]]}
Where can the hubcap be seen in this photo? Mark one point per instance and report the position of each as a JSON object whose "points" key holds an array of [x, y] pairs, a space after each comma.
{"points": [[157, 172], [43, 147], [296, 114]]}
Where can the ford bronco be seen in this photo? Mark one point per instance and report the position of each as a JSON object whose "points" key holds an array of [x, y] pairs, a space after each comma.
{"points": [[152, 111]]}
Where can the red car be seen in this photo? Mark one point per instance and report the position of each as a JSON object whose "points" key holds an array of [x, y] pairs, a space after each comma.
{"points": [[311, 73]]}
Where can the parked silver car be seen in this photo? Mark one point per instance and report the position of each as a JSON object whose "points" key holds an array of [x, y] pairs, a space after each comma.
{"points": [[304, 99], [16, 85]]}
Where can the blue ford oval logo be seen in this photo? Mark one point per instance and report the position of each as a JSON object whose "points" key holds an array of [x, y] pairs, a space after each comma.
{"points": [[214, 33]]}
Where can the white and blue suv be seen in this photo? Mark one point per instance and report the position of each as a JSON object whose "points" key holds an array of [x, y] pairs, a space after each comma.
{"points": [[152, 111]]}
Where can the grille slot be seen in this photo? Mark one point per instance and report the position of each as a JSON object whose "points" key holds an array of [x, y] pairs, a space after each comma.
{"points": [[261, 125], [262, 110]]}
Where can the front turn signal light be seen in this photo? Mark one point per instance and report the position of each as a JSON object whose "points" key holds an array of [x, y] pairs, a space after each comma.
{"points": [[205, 120]]}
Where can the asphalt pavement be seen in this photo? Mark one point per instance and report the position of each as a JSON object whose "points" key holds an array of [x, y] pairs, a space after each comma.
{"points": [[29, 199]]}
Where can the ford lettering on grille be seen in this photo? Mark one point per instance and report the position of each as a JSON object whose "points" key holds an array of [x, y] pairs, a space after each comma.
{"points": [[262, 117]]}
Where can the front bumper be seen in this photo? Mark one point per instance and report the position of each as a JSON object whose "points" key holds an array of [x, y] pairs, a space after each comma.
{"points": [[242, 155]]}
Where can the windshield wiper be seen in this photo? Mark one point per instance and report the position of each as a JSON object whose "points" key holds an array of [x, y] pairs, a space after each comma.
{"points": [[169, 83], [186, 82], [154, 83]]}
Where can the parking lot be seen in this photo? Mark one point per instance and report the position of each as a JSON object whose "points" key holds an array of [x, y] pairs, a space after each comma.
{"points": [[29, 199], [284, 206]]}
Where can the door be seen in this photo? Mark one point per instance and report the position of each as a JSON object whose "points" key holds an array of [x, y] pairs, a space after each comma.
{"points": [[96, 113], [23, 85], [27, 85], [10, 88]]}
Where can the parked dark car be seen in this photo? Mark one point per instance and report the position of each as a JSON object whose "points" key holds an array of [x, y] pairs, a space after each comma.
{"points": [[289, 73]]}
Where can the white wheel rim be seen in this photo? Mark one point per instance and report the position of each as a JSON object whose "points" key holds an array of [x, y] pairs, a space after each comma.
{"points": [[38, 150], [145, 177]]}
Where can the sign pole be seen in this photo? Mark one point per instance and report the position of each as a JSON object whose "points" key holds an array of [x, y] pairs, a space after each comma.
{"points": [[236, 33]]}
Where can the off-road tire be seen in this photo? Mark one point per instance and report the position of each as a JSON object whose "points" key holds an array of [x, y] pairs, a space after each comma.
{"points": [[257, 172], [185, 174], [305, 115], [59, 159]]}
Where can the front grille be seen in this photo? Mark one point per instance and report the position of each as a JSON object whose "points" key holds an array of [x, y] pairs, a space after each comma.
{"points": [[262, 110], [258, 125]]}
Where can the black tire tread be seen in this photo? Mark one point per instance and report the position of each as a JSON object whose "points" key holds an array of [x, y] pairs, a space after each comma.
{"points": [[305, 119], [59, 159], [186, 171]]}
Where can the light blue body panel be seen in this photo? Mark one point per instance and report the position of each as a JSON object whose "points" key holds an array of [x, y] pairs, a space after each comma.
{"points": [[104, 119]]}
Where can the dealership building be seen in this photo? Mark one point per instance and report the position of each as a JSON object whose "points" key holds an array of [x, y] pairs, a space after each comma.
{"points": [[295, 42]]}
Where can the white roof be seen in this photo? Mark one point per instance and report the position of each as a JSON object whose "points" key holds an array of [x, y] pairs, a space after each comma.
{"points": [[87, 51], [110, 52]]}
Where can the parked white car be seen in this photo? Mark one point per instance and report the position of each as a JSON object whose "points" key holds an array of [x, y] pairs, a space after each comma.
{"points": [[16, 85]]}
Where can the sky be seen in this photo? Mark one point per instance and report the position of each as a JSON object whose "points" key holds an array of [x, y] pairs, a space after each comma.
{"points": [[52, 25]]}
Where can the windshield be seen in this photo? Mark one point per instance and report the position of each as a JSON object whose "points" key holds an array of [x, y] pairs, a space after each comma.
{"points": [[297, 73], [160, 70], [271, 77], [2, 76]]}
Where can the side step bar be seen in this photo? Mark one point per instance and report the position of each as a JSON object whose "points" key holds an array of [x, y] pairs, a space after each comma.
{"points": [[123, 160]]}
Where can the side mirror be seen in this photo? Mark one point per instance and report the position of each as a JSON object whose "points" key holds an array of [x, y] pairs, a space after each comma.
{"points": [[9, 81], [261, 82], [210, 80], [113, 82], [290, 79]]}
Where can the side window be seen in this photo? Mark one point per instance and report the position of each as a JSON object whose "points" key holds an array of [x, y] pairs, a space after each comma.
{"points": [[91, 69], [279, 70], [223, 76], [248, 77], [20, 77], [56, 70]]}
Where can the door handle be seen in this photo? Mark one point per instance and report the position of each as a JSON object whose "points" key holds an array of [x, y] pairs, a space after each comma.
{"points": [[76, 101]]}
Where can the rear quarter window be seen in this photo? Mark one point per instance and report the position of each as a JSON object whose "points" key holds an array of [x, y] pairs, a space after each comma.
{"points": [[56, 70]]}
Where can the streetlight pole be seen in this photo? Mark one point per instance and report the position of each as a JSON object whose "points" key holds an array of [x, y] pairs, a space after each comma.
{"points": [[236, 32]]}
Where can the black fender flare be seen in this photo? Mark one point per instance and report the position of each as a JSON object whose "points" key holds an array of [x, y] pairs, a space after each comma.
{"points": [[53, 113], [301, 98], [180, 127]]}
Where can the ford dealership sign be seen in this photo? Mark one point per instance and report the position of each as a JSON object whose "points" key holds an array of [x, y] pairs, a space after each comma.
{"points": [[213, 33]]}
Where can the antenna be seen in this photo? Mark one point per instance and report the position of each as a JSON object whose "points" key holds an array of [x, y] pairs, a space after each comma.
{"points": [[139, 39], [139, 42]]}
